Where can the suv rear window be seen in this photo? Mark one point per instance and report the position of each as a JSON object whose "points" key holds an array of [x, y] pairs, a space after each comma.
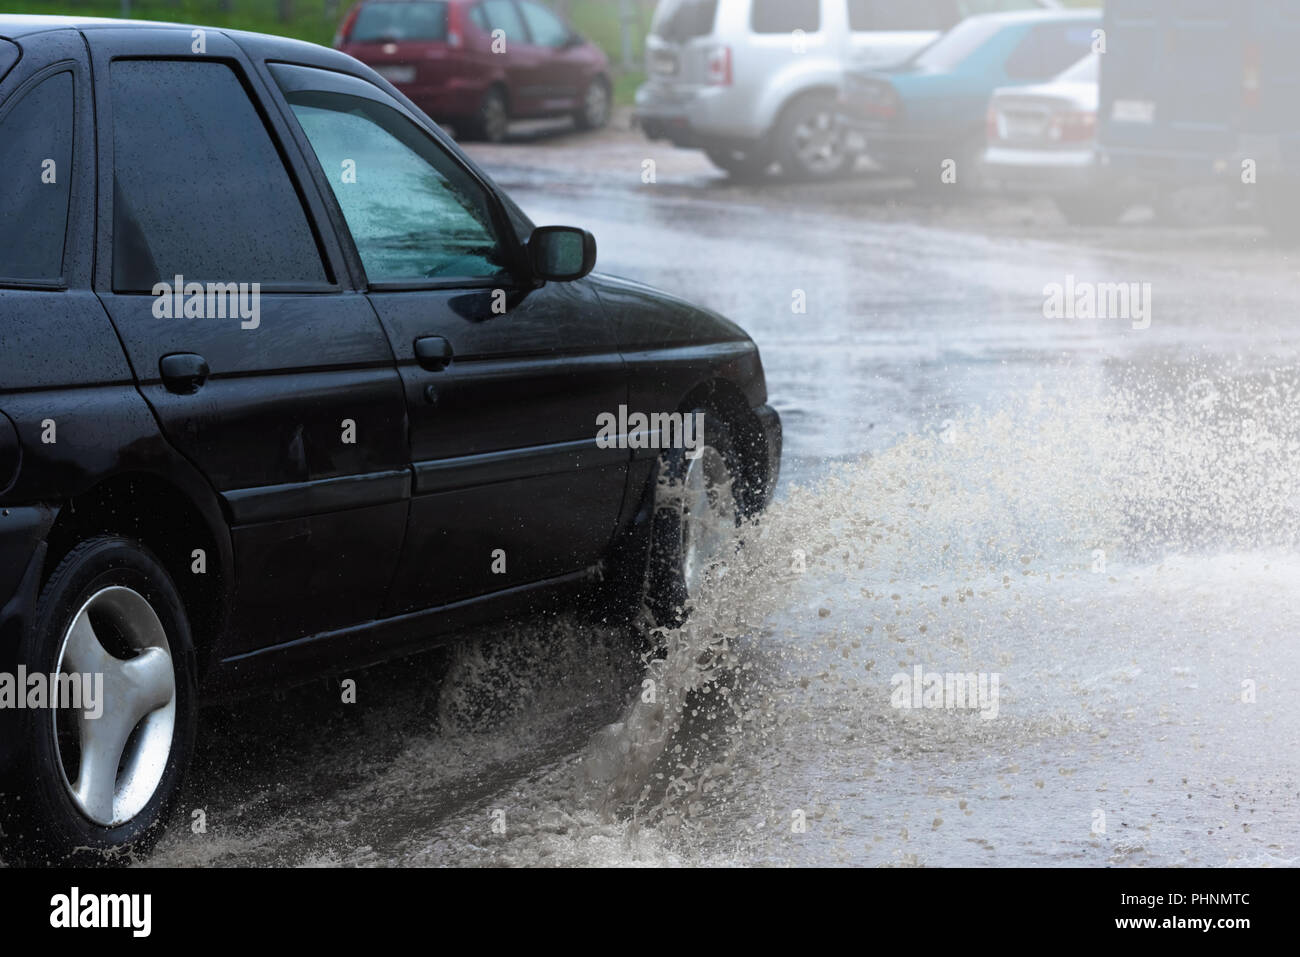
{"points": [[868, 15], [680, 20], [381, 22], [786, 16], [36, 155]]}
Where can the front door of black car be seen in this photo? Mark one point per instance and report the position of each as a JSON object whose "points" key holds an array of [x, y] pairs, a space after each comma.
{"points": [[504, 378], [284, 395]]}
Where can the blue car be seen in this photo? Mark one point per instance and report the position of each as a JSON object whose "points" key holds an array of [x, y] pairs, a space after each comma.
{"points": [[927, 116]]}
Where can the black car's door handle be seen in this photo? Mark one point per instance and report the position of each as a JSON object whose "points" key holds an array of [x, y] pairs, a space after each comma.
{"points": [[433, 353], [183, 372]]}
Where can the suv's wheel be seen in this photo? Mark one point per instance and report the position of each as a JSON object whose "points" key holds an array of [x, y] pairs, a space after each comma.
{"points": [[596, 106], [88, 785], [809, 142], [492, 121], [696, 515]]}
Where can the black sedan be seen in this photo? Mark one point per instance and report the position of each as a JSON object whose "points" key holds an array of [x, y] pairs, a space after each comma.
{"points": [[288, 386]]}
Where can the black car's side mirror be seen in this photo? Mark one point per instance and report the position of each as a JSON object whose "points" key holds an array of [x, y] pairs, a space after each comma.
{"points": [[561, 253]]}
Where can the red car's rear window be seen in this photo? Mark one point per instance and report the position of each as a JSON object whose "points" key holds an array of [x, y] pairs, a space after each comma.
{"points": [[394, 22]]}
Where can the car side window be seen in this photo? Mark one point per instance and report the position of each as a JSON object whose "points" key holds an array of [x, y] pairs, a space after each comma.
{"points": [[415, 214], [970, 8], [1048, 49], [199, 188], [785, 16], [36, 156], [504, 15], [546, 28], [869, 15], [479, 16]]}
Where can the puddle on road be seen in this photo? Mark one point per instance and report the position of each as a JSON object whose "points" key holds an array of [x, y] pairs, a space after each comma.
{"points": [[1124, 563]]}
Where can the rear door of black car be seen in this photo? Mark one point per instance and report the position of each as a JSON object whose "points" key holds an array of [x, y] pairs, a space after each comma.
{"points": [[63, 379], [504, 378], [284, 395]]}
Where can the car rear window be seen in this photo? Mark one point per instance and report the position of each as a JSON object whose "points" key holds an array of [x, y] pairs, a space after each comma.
{"points": [[1086, 70], [785, 16], [1048, 49], [957, 44], [381, 22], [36, 155], [680, 20]]}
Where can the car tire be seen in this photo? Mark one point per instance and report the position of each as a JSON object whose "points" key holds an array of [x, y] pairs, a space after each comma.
{"points": [[109, 608], [809, 143], [697, 508], [597, 105], [750, 164], [492, 121], [1090, 209]]}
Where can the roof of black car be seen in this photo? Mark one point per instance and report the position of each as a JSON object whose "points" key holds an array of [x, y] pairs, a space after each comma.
{"points": [[16, 26]]}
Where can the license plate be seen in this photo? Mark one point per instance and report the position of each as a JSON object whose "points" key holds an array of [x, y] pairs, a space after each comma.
{"points": [[664, 64], [1020, 126], [1133, 111], [397, 74]]}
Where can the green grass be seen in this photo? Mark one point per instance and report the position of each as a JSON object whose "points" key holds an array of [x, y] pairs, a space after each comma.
{"points": [[598, 21], [625, 85]]}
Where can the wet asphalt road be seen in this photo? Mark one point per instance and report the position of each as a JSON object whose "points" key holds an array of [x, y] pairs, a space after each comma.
{"points": [[1102, 517]]}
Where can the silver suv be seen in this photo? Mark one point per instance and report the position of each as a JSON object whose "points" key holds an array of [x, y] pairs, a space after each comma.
{"points": [[753, 82]]}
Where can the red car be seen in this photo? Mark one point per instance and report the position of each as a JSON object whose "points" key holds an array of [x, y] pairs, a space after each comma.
{"points": [[477, 64]]}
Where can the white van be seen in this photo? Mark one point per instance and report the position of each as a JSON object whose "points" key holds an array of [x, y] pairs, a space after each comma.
{"points": [[753, 82]]}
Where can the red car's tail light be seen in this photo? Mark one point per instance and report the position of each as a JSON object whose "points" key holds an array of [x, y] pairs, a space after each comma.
{"points": [[345, 28], [1073, 127], [455, 25], [718, 66], [883, 103]]}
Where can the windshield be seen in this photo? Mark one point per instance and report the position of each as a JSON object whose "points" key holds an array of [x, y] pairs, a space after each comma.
{"points": [[1085, 71], [957, 44], [400, 21], [679, 20]]}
